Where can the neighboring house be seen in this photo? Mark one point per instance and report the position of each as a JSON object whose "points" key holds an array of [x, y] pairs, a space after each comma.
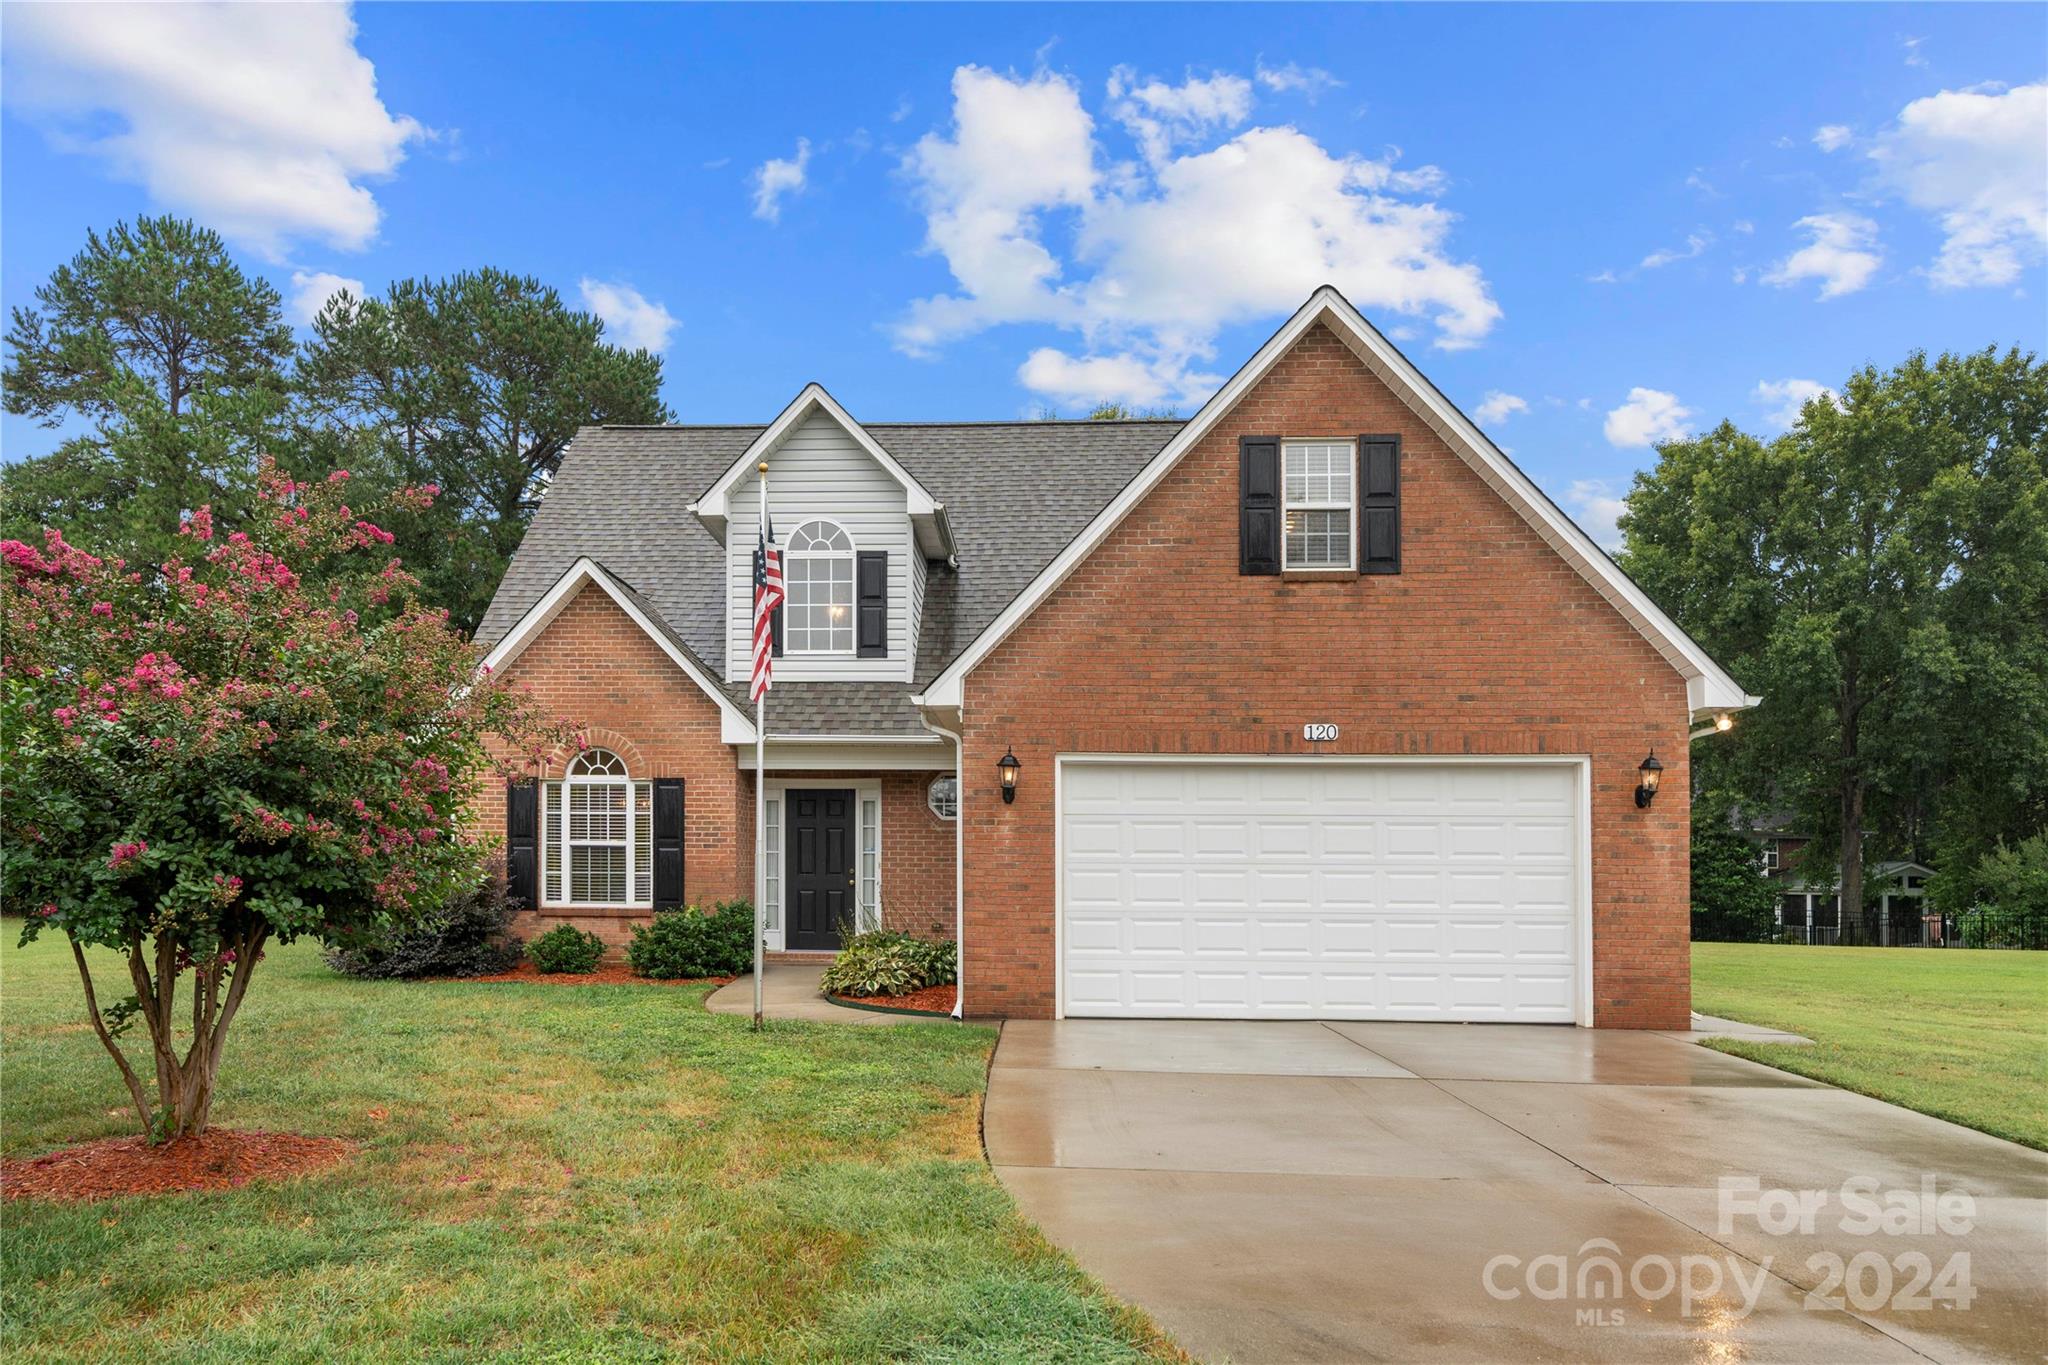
{"points": [[1810, 900], [1144, 616]]}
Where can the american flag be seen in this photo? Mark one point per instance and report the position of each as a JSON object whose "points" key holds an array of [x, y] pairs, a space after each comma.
{"points": [[767, 597]]}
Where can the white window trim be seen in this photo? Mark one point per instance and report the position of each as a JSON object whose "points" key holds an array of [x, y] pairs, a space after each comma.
{"points": [[863, 790], [1350, 507], [852, 556], [932, 806], [560, 837]]}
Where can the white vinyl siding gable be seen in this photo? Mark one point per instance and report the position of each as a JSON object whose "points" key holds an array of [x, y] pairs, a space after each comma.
{"points": [[819, 471]]}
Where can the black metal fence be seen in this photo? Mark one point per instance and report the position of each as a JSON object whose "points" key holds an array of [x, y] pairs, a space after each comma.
{"points": [[1908, 927]]}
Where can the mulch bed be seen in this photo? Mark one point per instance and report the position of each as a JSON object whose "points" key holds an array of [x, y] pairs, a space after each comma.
{"points": [[603, 976], [217, 1159], [930, 1000]]}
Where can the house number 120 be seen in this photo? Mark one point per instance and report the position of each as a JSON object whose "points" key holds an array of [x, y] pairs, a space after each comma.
{"points": [[1319, 732]]}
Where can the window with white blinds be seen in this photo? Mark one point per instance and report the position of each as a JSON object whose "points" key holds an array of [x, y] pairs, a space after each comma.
{"points": [[598, 840]]}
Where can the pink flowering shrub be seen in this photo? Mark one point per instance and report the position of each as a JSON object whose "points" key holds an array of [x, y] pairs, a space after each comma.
{"points": [[265, 738]]}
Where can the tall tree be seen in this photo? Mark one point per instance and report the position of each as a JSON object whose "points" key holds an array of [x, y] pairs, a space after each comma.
{"points": [[473, 383], [155, 339], [1878, 574]]}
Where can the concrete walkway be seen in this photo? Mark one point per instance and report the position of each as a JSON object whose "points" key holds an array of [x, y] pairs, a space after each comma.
{"points": [[789, 990], [1320, 1192]]}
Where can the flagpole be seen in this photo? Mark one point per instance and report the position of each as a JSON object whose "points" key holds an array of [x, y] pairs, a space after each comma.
{"points": [[760, 802]]}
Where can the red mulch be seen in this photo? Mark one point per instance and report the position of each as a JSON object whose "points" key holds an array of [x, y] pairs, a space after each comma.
{"points": [[932, 999], [603, 976], [217, 1159]]}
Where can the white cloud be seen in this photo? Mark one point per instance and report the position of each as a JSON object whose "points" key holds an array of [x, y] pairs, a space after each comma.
{"points": [[1104, 378], [902, 109], [630, 318], [1979, 160], [1595, 507], [1035, 231], [1604, 277], [1745, 227], [776, 178], [1695, 243], [1914, 56], [1497, 407], [1832, 137], [312, 288], [1843, 255], [1649, 416], [1309, 80], [1161, 116], [1787, 397], [261, 120]]}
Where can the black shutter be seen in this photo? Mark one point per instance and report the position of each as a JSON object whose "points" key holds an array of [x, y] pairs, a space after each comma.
{"points": [[774, 632], [522, 844], [1258, 510], [871, 604], [1379, 504], [668, 842]]}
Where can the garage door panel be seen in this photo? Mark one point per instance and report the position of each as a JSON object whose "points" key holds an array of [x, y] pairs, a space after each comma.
{"points": [[1395, 891]]}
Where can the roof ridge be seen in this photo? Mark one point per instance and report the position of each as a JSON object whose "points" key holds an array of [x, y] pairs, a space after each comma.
{"points": [[971, 422]]}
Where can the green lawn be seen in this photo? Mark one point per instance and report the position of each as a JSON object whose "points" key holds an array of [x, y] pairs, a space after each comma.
{"points": [[1957, 1033], [562, 1173]]}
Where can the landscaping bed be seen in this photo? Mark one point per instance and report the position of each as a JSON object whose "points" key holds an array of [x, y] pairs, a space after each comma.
{"points": [[604, 976], [116, 1168], [930, 1000]]}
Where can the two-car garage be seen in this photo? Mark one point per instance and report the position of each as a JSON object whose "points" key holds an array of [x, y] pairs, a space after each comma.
{"points": [[1323, 887]]}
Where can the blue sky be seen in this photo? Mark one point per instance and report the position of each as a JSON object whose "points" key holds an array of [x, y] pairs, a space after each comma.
{"points": [[1593, 226]]}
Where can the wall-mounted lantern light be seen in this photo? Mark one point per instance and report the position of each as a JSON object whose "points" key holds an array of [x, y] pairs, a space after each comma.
{"points": [[1008, 765], [1646, 780], [1724, 721]]}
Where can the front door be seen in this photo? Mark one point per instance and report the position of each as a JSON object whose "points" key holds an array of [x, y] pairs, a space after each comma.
{"points": [[820, 876]]}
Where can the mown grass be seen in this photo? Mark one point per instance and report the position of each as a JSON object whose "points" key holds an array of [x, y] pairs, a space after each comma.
{"points": [[546, 1173], [1958, 1033]]}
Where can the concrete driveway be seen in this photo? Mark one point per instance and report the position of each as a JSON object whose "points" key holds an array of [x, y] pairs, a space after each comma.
{"points": [[1311, 1192]]}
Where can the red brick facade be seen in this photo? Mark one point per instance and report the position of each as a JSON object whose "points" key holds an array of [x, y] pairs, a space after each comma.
{"points": [[592, 663], [1485, 643]]}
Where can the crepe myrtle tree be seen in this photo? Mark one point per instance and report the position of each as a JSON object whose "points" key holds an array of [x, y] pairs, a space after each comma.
{"points": [[266, 737]]}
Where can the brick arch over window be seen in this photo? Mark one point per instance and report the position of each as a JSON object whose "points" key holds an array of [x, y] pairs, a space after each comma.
{"points": [[597, 737]]}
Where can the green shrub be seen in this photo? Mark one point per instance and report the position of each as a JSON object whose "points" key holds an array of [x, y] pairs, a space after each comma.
{"points": [[886, 963], [468, 937], [687, 943], [565, 948]]}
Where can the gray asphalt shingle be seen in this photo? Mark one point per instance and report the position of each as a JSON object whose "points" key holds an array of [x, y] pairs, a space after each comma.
{"points": [[1015, 493]]}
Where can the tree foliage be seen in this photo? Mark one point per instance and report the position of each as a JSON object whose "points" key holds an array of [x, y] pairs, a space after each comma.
{"points": [[174, 358], [1880, 575], [1732, 900], [267, 737], [474, 383]]}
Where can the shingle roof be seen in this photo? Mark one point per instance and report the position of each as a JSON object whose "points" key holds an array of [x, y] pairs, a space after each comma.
{"points": [[1015, 493]]}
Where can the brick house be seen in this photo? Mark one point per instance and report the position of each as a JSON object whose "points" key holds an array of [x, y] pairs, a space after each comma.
{"points": [[1317, 706]]}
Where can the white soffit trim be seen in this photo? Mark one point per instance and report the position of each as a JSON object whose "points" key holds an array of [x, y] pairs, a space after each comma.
{"points": [[1708, 685], [712, 506], [734, 725]]}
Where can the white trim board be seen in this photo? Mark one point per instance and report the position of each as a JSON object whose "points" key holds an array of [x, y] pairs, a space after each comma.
{"points": [[1582, 813], [1709, 688], [735, 726]]}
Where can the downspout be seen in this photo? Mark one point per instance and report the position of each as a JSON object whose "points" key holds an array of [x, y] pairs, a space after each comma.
{"points": [[959, 863]]}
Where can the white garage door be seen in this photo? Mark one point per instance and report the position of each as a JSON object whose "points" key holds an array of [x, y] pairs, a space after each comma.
{"points": [[1323, 889]]}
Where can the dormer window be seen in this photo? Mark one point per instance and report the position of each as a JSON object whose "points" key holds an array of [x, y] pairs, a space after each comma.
{"points": [[818, 572]]}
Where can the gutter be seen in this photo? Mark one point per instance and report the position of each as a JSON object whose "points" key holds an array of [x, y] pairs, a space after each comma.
{"points": [[959, 865]]}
